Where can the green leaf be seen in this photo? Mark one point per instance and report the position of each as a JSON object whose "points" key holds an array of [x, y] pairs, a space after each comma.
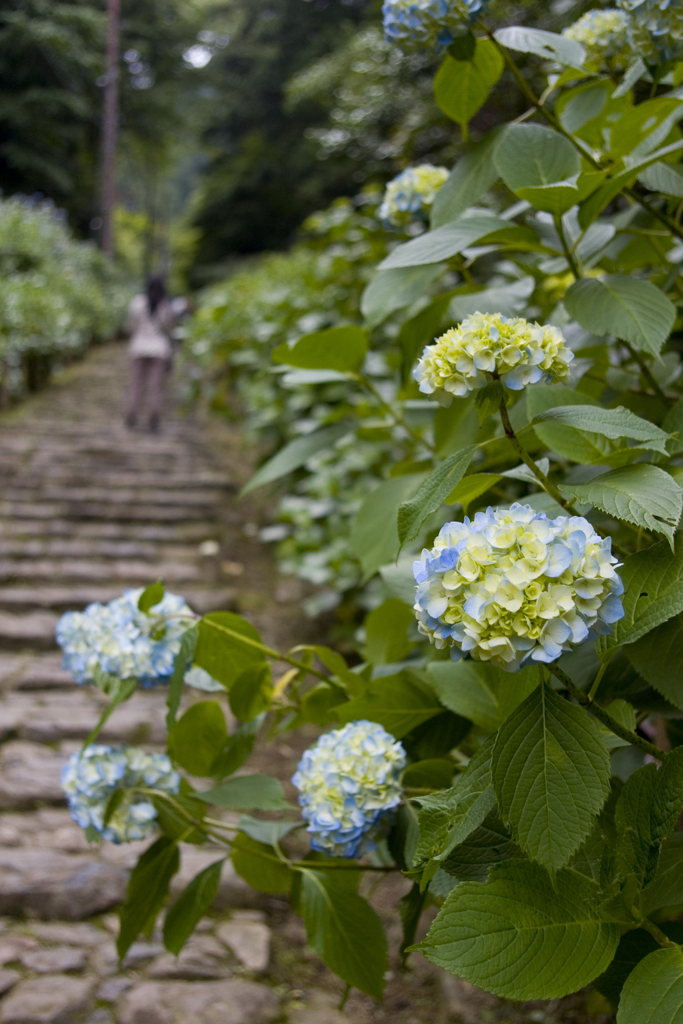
{"points": [[251, 693], [653, 582], [337, 348], [386, 631], [175, 815], [444, 242], [267, 832], [479, 691], [462, 86], [658, 658], [664, 178], [488, 845], [612, 423], [181, 663], [225, 655], [420, 330], [431, 493], [320, 703], [390, 290], [637, 131], [190, 907], [147, 891], [446, 819], [197, 740], [432, 773], [630, 307], [643, 495], [623, 713], [540, 165], [151, 596], [333, 660], [296, 454], [551, 774], [653, 993], [259, 865], [548, 45], [633, 946], [374, 534], [666, 888], [246, 792], [455, 426], [520, 935], [344, 931], [470, 179], [470, 488], [599, 199], [398, 702], [506, 299], [582, 104], [237, 750]]}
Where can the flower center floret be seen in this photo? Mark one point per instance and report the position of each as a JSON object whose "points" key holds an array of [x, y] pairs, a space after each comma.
{"points": [[435, 23], [512, 586], [604, 35], [410, 195], [122, 641], [348, 783], [465, 358], [91, 778]]}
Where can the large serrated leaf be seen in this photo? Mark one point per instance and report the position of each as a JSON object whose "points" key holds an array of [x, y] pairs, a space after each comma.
{"points": [[653, 993], [344, 931], [489, 844], [658, 658], [480, 691], [521, 936], [462, 86], [630, 307], [398, 702], [666, 888], [446, 241], [472, 176], [432, 493], [665, 178], [530, 155], [643, 495], [653, 584], [612, 423], [551, 772], [548, 45]]}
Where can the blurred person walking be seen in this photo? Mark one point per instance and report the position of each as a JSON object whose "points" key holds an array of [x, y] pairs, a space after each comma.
{"points": [[149, 323]]}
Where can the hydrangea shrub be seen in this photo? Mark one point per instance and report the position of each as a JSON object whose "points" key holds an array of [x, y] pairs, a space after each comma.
{"points": [[503, 731]]}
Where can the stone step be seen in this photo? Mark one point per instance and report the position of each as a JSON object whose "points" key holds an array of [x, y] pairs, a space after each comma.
{"points": [[103, 510], [55, 548], [36, 629], [186, 497], [33, 672], [180, 532], [75, 598], [59, 476], [127, 571], [50, 717]]}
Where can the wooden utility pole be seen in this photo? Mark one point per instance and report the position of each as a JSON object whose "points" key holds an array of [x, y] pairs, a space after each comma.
{"points": [[110, 126]]}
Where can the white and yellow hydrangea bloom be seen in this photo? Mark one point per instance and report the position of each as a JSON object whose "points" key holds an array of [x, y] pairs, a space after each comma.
{"points": [[410, 195], [349, 783], [490, 346], [605, 38], [512, 586]]}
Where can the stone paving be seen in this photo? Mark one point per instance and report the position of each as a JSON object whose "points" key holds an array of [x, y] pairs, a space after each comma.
{"points": [[87, 508]]}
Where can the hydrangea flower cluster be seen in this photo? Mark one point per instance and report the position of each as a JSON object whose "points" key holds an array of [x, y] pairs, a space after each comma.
{"points": [[410, 195], [123, 641], [348, 784], [512, 586], [90, 779], [604, 36], [411, 24], [521, 353], [655, 29]]}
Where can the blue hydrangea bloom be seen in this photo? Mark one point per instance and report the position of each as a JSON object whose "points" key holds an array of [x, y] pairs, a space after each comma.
{"points": [[123, 641], [655, 29], [348, 784], [90, 779], [604, 36], [410, 195], [434, 23], [512, 587]]}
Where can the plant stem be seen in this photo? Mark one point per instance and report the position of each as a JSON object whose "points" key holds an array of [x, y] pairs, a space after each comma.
{"points": [[587, 702], [399, 420], [569, 255], [268, 651], [543, 480], [658, 935], [645, 370], [598, 679]]}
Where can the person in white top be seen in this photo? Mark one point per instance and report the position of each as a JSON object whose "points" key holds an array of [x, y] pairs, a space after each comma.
{"points": [[149, 323]]}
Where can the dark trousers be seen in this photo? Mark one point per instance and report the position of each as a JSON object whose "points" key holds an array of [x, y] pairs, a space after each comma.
{"points": [[146, 376]]}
